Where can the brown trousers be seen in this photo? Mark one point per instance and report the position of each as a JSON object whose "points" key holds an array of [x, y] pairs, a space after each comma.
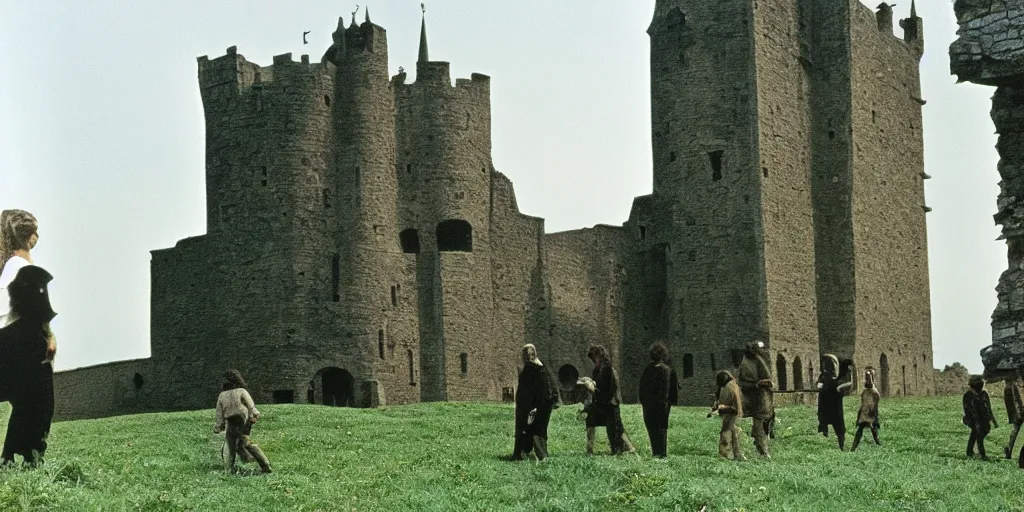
{"points": [[237, 437], [729, 439]]}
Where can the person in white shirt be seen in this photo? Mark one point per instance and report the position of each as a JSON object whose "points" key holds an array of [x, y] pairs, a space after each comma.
{"points": [[19, 233], [236, 413]]}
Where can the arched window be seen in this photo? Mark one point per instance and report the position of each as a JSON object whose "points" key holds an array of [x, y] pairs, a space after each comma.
{"points": [[780, 372], [410, 241], [454, 235], [687, 366], [798, 374]]}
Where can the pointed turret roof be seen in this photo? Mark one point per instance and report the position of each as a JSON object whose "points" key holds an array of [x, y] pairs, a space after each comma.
{"points": [[913, 9], [424, 54]]}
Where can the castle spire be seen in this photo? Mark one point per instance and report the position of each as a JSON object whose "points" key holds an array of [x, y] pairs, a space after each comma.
{"points": [[423, 36], [913, 9], [366, 11]]}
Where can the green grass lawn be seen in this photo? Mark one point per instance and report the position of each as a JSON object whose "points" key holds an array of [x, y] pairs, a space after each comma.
{"points": [[447, 456]]}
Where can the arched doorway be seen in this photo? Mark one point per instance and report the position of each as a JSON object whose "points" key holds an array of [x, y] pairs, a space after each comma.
{"points": [[883, 367], [567, 376], [798, 374], [334, 386], [780, 372]]}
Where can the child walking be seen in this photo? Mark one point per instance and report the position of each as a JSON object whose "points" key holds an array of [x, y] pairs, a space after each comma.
{"points": [[978, 415], [237, 412]]}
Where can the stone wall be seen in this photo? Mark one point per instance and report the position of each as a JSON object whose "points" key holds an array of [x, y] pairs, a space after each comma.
{"points": [[990, 51], [893, 319], [124, 387], [362, 249]]}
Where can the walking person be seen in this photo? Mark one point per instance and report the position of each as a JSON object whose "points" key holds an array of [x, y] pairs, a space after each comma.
{"points": [[26, 372], [977, 415], [237, 413], [754, 377], [536, 396], [657, 395], [1014, 411], [605, 406]]}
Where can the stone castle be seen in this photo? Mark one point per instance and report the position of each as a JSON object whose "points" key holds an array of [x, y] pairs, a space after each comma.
{"points": [[362, 249]]}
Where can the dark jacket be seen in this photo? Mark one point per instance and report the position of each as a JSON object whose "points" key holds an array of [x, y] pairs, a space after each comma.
{"points": [[22, 351], [657, 386], [977, 409], [534, 392], [607, 381], [830, 398]]}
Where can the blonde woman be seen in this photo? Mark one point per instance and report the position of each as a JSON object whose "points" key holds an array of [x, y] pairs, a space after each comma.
{"points": [[19, 233]]}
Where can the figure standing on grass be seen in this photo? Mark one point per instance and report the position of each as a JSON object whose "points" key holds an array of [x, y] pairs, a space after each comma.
{"points": [[605, 406], [236, 411], [26, 372], [19, 234], [658, 392], [978, 415], [1014, 412], [729, 406], [755, 381], [867, 416], [536, 396], [831, 391]]}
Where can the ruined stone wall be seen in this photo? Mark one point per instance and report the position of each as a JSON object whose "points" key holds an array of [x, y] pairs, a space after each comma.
{"points": [[111, 389], [704, 123], [521, 298], [893, 330], [990, 51], [586, 292], [782, 44]]}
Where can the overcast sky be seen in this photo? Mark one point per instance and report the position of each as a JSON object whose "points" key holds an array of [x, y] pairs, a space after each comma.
{"points": [[102, 135]]}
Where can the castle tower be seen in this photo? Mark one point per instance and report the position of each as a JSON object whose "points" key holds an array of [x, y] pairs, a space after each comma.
{"points": [[366, 267], [444, 147], [731, 163], [783, 212]]}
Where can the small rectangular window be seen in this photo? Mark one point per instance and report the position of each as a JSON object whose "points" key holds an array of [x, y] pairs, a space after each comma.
{"points": [[464, 363], [715, 158]]}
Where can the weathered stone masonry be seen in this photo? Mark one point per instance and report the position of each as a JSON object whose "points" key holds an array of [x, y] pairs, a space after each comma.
{"points": [[990, 51], [362, 249]]}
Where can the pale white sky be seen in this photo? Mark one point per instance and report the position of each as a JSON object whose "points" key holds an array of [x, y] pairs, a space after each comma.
{"points": [[102, 135]]}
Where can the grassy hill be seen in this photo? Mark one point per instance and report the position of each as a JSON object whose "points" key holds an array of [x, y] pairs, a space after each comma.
{"points": [[447, 456]]}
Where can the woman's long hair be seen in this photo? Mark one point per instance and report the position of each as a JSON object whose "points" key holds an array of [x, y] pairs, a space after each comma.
{"points": [[233, 380], [16, 228]]}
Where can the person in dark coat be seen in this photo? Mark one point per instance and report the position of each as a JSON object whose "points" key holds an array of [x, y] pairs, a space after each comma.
{"points": [[537, 395], [831, 390], [26, 370], [978, 415], [754, 377], [657, 395], [605, 406]]}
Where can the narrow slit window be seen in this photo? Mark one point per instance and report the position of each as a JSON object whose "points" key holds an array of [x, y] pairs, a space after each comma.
{"points": [[464, 363], [715, 157], [394, 296], [380, 343], [336, 277]]}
